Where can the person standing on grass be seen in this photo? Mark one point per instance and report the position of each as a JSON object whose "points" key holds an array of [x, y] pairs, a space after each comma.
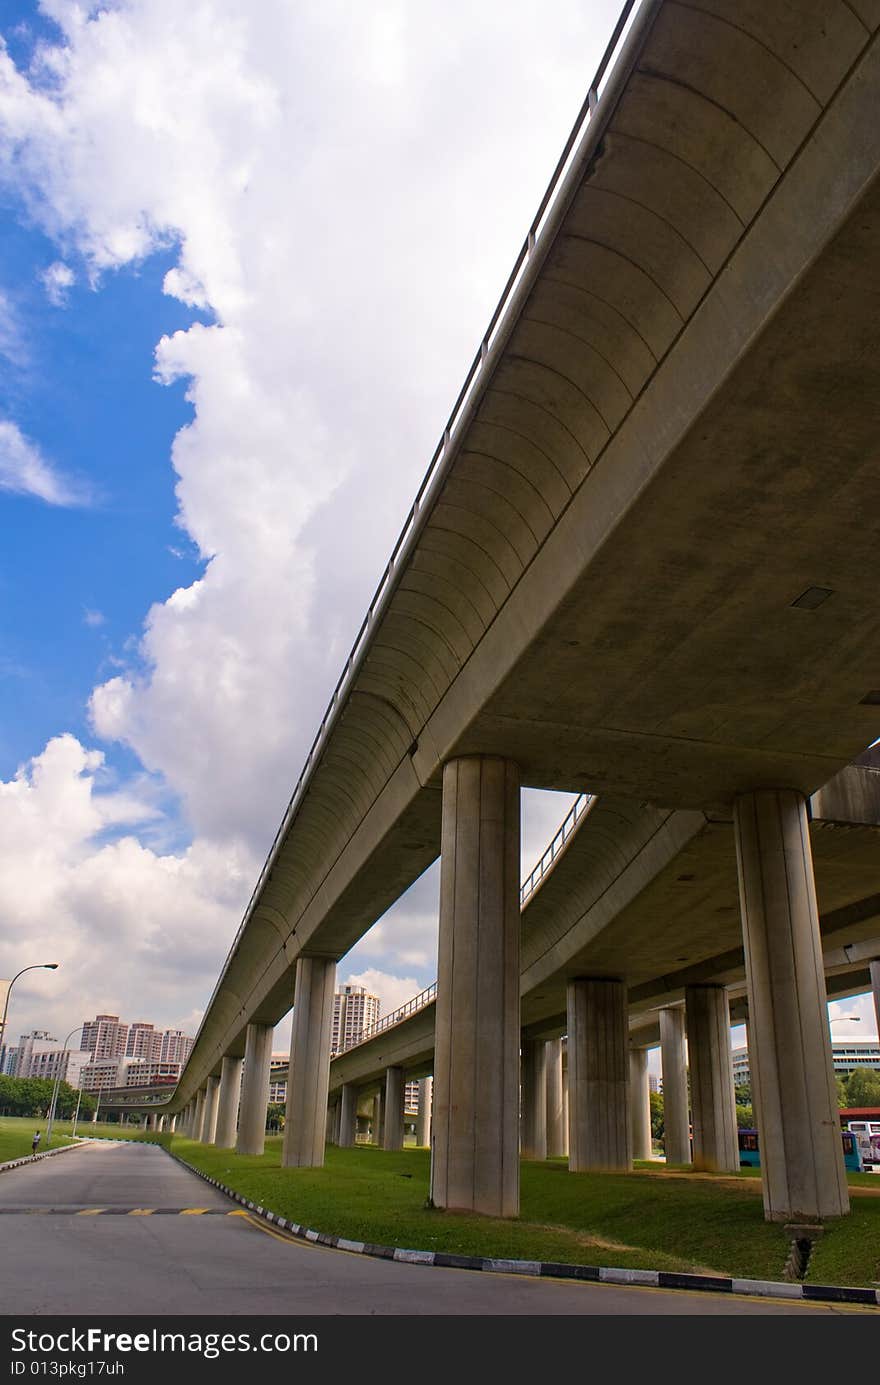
{"points": [[34, 1142]]}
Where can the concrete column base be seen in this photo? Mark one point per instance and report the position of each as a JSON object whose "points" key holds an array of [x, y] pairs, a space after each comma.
{"points": [[476, 1063], [209, 1125], [793, 1087], [676, 1108], [255, 1089], [557, 1145], [599, 1128], [640, 1103], [533, 1121], [392, 1134], [716, 1148], [309, 1074], [348, 1116], [227, 1107], [423, 1124]]}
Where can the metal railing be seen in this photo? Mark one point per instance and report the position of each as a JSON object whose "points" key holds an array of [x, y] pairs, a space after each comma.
{"points": [[444, 452], [563, 836], [556, 847], [402, 1012]]}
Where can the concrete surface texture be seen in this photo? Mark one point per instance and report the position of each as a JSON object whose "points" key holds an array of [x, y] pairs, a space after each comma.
{"points": [[476, 1062]]}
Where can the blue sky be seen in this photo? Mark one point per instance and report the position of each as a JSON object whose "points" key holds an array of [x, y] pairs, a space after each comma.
{"points": [[246, 255]]}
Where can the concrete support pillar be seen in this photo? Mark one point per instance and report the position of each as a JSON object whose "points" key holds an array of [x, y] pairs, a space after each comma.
{"points": [[475, 1165], [599, 1128], [712, 1101], [793, 1088], [230, 1093], [255, 1089], [348, 1116], [423, 1124], [173, 1126], [376, 1123], [875, 987], [209, 1126], [309, 1074], [565, 1117], [392, 1134], [533, 1120], [199, 1122], [556, 1141], [640, 1103], [673, 1063]]}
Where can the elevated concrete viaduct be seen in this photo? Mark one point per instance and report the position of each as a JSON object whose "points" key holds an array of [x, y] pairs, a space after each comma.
{"points": [[642, 563], [618, 902]]}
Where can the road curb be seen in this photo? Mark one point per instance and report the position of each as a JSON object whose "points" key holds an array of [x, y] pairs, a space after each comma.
{"points": [[34, 1158], [542, 1269]]}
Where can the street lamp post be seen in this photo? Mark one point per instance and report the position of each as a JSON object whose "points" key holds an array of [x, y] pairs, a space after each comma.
{"points": [[57, 1085], [37, 966], [78, 1100]]}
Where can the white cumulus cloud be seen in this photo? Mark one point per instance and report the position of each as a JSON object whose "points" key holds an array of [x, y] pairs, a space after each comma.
{"points": [[132, 929]]}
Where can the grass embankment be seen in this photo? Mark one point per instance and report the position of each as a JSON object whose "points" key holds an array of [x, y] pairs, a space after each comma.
{"points": [[17, 1132], [649, 1219]]}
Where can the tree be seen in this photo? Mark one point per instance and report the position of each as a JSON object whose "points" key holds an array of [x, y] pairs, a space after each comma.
{"points": [[656, 1116], [745, 1115], [862, 1088], [275, 1116], [25, 1096]]}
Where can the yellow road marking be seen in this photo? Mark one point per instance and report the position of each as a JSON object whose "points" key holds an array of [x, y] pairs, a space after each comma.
{"points": [[141, 1212], [278, 1235], [193, 1211], [91, 1212]]}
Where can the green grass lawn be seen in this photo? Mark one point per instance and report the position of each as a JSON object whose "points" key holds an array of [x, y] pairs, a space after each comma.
{"points": [[16, 1133], [649, 1219]]}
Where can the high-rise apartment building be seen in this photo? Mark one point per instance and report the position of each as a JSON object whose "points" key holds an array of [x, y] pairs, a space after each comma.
{"points": [[144, 1041], [108, 1038], [354, 1010], [175, 1047], [105, 1037]]}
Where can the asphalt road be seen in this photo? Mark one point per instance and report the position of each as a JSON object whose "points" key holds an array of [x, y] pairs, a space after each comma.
{"points": [[169, 1244]]}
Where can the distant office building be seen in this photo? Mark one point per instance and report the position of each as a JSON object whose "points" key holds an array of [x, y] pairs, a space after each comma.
{"points": [[17, 1059], [845, 1054], [65, 1065], [354, 1010], [144, 1042], [278, 1066], [105, 1037], [654, 1083]]}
